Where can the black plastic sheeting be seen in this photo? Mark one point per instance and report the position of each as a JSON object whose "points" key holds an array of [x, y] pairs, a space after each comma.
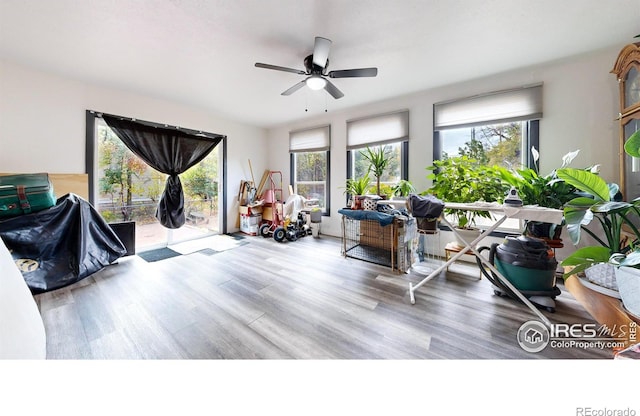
{"points": [[427, 206], [61, 245]]}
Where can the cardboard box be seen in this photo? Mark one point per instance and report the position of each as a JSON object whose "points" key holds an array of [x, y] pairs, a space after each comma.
{"points": [[249, 224], [372, 234], [246, 210], [267, 212]]}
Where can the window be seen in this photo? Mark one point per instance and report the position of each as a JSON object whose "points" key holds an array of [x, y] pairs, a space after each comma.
{"points": [[389, 131], [502, 144], [495, 128], [392, 174], [498, 128], [309, 150], [124, 188]]}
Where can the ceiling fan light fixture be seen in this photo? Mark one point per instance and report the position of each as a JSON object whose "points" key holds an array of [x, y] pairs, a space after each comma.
{"points": [[315, 72], [316, 82]]}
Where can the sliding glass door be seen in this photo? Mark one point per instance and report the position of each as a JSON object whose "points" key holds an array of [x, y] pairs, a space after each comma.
{"points": [[127, 189]]}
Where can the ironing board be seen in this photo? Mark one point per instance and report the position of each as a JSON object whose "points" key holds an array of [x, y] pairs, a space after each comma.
{"points": [[527, 212]]}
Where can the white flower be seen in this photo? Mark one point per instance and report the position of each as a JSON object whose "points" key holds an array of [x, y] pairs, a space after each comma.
{"points": [[566, 159]]}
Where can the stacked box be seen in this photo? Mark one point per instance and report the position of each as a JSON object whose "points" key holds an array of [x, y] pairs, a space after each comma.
{"points": [[249, 224], [268, 213], [247, 210]]}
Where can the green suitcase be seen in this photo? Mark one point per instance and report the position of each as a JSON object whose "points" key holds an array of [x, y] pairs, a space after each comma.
{"points": [[25, 193]]}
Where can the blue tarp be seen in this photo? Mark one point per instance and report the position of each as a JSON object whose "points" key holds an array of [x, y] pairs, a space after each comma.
{"points": [[363, 214]]}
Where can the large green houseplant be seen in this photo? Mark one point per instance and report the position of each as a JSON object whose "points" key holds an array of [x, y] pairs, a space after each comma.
{"points": [[462, 179], [543, 190], [614, 217], [599, 202]]}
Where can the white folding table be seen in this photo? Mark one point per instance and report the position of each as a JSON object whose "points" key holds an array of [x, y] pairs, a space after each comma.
{"points": [[531, 213]]}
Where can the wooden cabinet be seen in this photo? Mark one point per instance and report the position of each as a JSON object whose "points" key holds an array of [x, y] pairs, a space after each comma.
{"points": [[627, 70]]}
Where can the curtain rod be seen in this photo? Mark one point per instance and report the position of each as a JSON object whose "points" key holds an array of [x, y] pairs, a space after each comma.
{"points": [[200, 133]]}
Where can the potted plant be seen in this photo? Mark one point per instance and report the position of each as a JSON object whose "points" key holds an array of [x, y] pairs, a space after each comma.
{"points": [[615, 218], [402, 189], [386, 191], [602, 263], [462, 179], [356, 188], [378, 158], [598, 202], [542, 190]]}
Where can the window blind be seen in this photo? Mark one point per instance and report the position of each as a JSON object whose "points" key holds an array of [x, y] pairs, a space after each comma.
{"points": [[378, 130], [315, 139], [516, 104]]}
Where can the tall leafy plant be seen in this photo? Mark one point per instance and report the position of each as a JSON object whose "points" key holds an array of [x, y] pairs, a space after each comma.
{"points": [[601, 202], [378, 158]]}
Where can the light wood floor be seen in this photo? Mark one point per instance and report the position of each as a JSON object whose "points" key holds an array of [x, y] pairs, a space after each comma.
{"points": [[299, 300]]}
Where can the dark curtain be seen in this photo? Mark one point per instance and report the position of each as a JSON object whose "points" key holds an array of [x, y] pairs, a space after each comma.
{"points": [[169, 150]]}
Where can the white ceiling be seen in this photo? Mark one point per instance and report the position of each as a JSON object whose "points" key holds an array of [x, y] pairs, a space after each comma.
{"points": [[202, 52]]}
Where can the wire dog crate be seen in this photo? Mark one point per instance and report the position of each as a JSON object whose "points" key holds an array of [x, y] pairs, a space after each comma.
{"points": [[392, 245]]}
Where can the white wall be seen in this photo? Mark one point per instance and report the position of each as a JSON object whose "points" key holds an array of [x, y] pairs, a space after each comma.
{"points": [[42, 125], [580, 107]]}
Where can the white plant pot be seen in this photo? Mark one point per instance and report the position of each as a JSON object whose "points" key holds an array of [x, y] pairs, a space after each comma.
{"points": [[468, 234], [628, 279], [602, 274]]}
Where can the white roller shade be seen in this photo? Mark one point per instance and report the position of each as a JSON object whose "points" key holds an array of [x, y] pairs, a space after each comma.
{"points": [[378, 130], [517, 104], [310, 140]]}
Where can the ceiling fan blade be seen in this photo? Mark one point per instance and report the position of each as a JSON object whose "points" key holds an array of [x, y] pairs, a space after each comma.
{"points": [[294, 88], [321, 51], [354, 73], [333, 90], [280, 68]]}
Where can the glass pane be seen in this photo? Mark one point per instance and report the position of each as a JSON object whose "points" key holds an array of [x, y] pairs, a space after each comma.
{"points": [[129, 190], [310, 177], [201, 199], [630, 128], [392, 173], [314, 193], [495, 144], [632, 87], [632, 164], [311, 166]]}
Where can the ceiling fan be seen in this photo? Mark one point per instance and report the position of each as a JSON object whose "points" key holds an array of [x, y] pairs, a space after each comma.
{"points": [[316, 73]]}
